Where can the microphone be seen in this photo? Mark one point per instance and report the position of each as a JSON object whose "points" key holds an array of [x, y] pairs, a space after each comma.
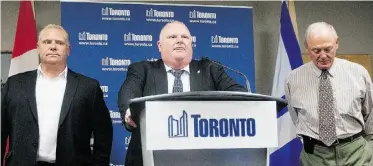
{"points": [[236, 71]]}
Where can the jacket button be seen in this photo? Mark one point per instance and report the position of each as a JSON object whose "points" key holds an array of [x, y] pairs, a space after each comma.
{"points": [[36, 144]]}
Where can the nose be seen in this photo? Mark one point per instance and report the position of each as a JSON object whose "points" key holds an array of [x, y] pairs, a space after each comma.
{"points": [[53, 46], [179, 39], [323, 53]]}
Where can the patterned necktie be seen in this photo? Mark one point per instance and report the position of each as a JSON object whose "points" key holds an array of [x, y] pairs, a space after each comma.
{"points": [[178, 85], [327, 129]]}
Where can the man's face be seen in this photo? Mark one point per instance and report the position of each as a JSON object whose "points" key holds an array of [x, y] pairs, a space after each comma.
{"points": [[175, 44], [53, 47], [322, 50]]}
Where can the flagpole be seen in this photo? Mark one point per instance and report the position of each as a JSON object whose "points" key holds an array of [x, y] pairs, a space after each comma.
{"points": [[293, 17], [33, 8]]}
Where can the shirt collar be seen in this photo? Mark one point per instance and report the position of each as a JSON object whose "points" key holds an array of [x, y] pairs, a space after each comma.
{"points": [[168, 68], [63, 74], [331, 70]]}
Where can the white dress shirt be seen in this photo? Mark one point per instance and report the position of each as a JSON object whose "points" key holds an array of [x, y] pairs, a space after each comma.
{"points": [[49, 94], [185, 78]]}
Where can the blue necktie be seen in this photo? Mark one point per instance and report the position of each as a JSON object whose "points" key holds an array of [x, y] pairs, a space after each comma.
{"points": [[178, 85]]}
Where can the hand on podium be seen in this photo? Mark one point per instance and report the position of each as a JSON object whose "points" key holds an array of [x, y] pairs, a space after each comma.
{"points": [[129, 122]]}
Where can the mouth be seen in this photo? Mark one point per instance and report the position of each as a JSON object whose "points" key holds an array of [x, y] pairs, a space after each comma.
{"points": [[53, 55], [179, 49], [324, 62]]}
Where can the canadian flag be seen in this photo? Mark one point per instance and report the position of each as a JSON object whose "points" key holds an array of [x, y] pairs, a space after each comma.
{"points": [[25, 56]]}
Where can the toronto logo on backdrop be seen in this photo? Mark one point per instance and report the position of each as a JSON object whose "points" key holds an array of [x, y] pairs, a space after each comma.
{"points": [[155, 15], [218, 41], [196, 16], [110, 64], [111, 14], [89, 38]]}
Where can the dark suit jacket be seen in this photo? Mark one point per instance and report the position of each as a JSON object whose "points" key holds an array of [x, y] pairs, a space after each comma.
{"points": [[83, 112], [150, 78]]}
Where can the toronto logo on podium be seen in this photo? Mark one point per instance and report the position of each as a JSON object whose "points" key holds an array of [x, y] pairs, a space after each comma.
{"points": [[210, 126], [178, 127]]}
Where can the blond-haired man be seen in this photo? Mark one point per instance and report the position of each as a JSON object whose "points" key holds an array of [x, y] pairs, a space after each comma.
{"points": [[50, 113]]}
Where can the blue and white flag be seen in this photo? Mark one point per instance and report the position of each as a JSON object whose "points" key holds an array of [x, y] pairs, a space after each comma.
{"points": [[288, 58]]}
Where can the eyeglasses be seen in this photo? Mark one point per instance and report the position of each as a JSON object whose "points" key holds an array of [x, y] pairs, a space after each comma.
{"points": [[318, 50]]}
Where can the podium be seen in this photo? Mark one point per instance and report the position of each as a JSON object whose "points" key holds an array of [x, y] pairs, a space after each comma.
{"points": [[207, 128]]}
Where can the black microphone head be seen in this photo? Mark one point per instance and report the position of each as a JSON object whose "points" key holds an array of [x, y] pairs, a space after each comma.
{"points": [[204, 58]]}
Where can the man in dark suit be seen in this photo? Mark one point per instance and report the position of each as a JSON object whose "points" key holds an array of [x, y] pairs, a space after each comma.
{"points": [[176, 72], [50, 114]]}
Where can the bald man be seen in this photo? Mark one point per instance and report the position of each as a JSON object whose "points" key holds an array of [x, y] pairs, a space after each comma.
{"points": [[330, 102], [175, 72]]}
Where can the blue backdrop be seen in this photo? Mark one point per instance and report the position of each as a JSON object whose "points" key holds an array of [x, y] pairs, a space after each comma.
{"points": [[107, 37]]}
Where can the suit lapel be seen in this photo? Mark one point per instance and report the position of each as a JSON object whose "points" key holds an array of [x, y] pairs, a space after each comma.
{"points": [[160, 78], [195, 76], [71, 87], [30, 91]]}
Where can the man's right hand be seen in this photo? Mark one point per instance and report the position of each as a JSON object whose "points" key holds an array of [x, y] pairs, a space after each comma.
{"points": [[128, 119]]}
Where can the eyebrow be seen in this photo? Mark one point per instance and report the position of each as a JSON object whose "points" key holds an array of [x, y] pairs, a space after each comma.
{"points": [[319, 48], [57, 40], [184, 34]]}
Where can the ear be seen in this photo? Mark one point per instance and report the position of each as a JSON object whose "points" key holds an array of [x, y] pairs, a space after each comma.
{"points": [[38, 48], [337, 43], [68, 50], [159, 46]]}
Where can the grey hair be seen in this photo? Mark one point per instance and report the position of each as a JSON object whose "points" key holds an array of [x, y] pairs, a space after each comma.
{"points": [[54, 26], [179, 22], [319, 28]]}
